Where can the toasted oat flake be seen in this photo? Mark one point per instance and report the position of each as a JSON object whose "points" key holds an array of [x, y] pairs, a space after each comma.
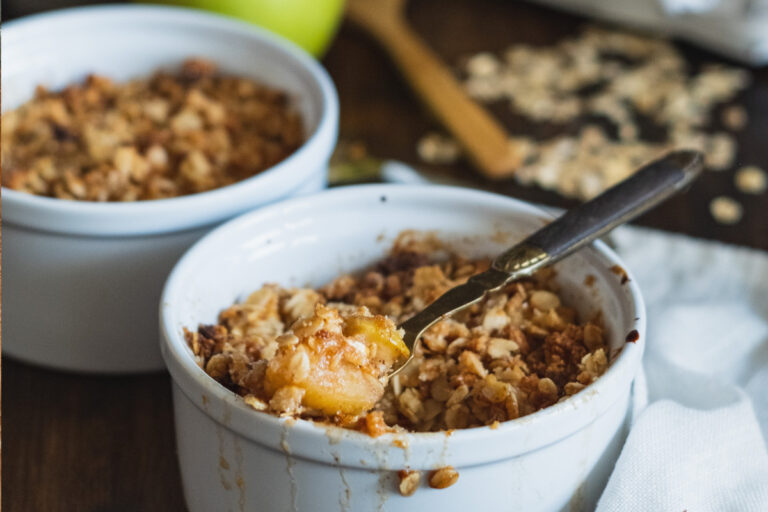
{"points": [[287, 400], [751, 180], [544, 300], [409, 482], [573, 387], [726, 210], [443, 478]]}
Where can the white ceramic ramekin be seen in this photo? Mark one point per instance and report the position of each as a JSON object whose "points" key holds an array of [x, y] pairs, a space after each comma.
{"points": [[234, 458], [81, 280]]}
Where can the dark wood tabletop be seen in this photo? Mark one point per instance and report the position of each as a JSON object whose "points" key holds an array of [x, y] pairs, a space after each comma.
{"points": [[98, 444]]}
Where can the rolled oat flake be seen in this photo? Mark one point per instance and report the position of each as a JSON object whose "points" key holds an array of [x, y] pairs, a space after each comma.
{"points": [[726, 210], [751, 179]]}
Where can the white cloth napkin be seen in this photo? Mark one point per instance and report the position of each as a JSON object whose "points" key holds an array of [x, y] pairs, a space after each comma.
{"points": [[699, 431], [700, 444]]}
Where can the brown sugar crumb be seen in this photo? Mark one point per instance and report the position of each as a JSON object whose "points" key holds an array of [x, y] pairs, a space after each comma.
{"points": [[518, 350], [409, 482], [443, 478], [164, 136], [633, 336]]}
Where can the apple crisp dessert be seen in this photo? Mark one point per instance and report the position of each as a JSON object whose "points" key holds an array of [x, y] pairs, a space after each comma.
{"points": [[164, 136], [324, 354]]}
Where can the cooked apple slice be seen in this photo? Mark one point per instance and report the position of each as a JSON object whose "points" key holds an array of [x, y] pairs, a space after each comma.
{"points": [[341, 363]]}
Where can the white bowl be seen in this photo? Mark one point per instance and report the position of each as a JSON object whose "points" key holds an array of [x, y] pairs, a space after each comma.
{"points": [[81, 280], [234, 458]]}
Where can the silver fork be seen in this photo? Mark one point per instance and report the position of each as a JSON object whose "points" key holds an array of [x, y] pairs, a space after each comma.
{"points": [[649, 186]]}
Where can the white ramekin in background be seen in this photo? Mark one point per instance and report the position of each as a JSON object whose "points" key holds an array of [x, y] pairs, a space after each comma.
{"points": [[234, 458], [81, 280]]}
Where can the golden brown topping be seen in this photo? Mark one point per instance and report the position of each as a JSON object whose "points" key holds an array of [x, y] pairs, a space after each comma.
{"points": [[409, 482], [165, 136], [518, 350]]}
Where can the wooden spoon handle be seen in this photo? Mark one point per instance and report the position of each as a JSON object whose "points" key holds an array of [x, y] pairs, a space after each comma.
{"points": [[484, 140]]}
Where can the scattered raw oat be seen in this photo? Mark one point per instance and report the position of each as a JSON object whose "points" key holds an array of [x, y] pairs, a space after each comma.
{"points": [[256, 403], [719, 151], [725, 210], [443, 477], [483, 64], [751, 180], [150, 138], [438, 149], [616, 76]]}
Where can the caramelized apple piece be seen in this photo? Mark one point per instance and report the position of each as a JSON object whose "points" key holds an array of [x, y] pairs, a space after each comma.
{"points": [[341, 363], [380, 331]]}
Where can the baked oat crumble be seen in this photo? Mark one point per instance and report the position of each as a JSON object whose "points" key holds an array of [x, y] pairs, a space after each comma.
{"points": [[164, 136], [519, 350]]}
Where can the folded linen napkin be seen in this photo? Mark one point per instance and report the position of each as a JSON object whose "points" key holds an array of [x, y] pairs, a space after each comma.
{"points": [[700, 413], [700, 444]]}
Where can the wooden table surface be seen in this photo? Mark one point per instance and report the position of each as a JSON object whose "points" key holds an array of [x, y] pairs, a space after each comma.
{"points": [[103, 444]]}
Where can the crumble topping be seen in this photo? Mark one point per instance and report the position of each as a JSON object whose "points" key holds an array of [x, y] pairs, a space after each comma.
{"points": [[300, 353], [151, 138], [751, 179]]}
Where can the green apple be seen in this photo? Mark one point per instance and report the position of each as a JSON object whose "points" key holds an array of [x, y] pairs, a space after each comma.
{"points": [[309, 23]]}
